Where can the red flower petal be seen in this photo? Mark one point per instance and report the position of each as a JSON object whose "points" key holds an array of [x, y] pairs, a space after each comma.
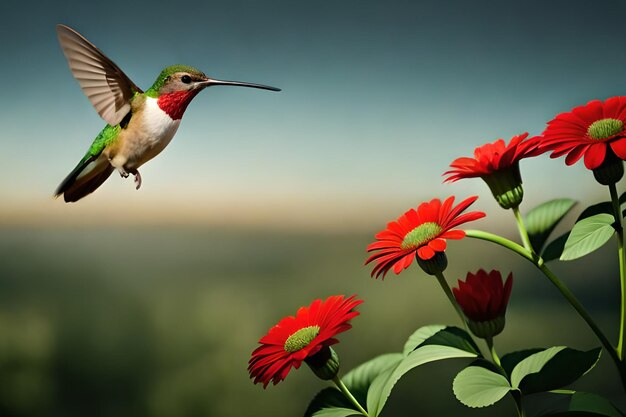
{"points": [[425, 253], [594, 156], [493, 157], [438, 245], [619, 147], [575, 154], [483, 296], [567, 134], [270, 362], [389, 250]]}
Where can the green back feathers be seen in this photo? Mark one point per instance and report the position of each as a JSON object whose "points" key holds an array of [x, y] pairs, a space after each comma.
{"points": [[165, 74]]}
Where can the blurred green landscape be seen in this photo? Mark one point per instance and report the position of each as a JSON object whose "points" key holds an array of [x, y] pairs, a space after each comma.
{"points": [[148, 304], [160, 320]]}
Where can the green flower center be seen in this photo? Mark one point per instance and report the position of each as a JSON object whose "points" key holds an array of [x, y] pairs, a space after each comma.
{"points": [[420, 235], [301, 338], [605, 128]]}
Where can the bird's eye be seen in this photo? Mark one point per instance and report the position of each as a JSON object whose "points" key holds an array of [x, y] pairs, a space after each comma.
{"points": [[186, 79]]}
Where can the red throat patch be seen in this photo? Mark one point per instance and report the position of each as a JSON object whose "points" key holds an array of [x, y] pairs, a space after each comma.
{"points": [[175, 104]]}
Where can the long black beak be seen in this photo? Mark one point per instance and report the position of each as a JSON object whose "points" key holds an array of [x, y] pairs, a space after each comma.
{"points": [[210, 82]]}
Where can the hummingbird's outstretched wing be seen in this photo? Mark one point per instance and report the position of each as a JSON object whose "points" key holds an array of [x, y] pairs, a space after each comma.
{"points": [[104, 83]]}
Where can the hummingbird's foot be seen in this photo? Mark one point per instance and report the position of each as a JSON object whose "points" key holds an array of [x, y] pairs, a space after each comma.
{"points": [[123, 173], [137, 180]]}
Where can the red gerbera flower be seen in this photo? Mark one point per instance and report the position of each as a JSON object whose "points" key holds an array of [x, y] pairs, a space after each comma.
{"points": [[498, 165], [493, 157], [483, 296], [588, 131], [301, 337], [422, 233]]}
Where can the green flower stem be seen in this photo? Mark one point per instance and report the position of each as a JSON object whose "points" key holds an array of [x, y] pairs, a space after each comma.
{"points": [[448, 291], [346, 392], [492, 350], [622, 276], [522, 229], [569, 296], [517, 395]]}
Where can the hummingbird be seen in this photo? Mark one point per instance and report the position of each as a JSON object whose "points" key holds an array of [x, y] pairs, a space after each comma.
{"points": [[139, 124]]}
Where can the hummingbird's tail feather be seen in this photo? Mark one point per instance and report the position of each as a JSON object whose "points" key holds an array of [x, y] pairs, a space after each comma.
{"points": [[88, 175]]}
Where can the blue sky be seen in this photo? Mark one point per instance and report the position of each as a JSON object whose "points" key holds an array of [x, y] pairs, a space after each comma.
{"points": [[378, 98]]}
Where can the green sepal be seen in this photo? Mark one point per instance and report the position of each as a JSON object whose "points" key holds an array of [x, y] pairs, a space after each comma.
{"points": [[506, 186], [588, 235], [542, 220], [435, 265], [611, 170], [488, 328], [324, 364], [552, 368]]}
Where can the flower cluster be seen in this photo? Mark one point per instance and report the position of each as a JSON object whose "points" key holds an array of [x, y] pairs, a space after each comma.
{"points": [[595, 132]]}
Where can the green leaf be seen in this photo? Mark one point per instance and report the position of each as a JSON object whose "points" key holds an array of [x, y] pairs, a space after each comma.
{"points": [[542, 220], [443, 336], [360, 378], [383, 384], [586, 401], [330, 402], [327, 402], [510, 360], [584, 404], [532, 364], [336, 412], [455, 337], [574, 414], [419, 336], [604, 207], [555, 248], [588, 235], [476, 386], [552, 368]]}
